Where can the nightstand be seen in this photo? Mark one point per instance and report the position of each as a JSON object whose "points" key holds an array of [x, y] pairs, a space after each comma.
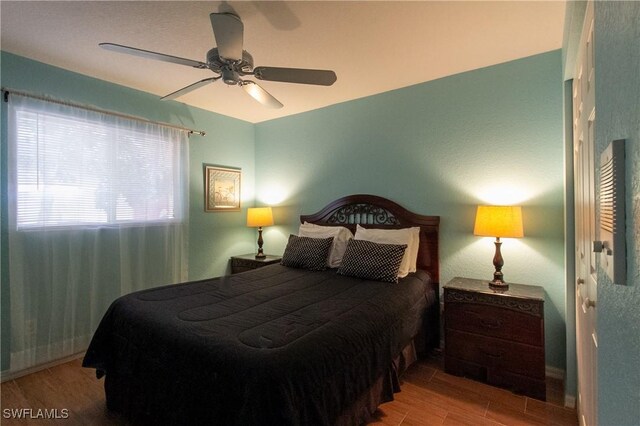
{"points": [[496, 337], [246, 262]]}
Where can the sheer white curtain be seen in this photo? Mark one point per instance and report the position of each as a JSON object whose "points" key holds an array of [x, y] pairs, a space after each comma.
{"points": [[98, 207]]}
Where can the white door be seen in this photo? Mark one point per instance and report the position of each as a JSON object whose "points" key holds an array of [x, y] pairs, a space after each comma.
{"points": [[584, 118]]}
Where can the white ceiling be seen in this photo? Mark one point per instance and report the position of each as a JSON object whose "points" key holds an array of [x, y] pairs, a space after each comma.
{"points": [[373, 46]]}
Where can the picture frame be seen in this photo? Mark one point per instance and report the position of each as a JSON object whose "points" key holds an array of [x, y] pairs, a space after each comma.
{"points": [[221, 188]]}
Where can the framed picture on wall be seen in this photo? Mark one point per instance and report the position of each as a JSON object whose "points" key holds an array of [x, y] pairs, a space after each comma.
{"points": [[221, 188]]}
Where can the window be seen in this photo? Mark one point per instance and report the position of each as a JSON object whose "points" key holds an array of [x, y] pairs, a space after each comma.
{"points": [[115, 193], [82, 168]]}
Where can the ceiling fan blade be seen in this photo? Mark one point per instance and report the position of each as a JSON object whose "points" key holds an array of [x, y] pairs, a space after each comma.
{"points": [[228, 31], [260, 95], [189, 88], [296, 75], [152, 55]]}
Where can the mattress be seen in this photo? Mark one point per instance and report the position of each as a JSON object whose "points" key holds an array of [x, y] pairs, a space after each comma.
{"points": [[274, 345]]}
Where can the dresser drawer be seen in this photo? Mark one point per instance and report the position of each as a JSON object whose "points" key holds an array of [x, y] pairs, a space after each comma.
{"points": [[517, 383], [494, 321], [496, 354]]}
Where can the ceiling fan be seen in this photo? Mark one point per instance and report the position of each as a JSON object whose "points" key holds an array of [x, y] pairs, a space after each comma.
{"points": [[232, 63]]}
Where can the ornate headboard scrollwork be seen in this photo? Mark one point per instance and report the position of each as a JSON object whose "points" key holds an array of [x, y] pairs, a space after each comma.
{"points": [[372, 211], [363, 214]]}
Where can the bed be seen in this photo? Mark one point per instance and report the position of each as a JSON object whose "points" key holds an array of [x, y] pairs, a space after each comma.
{"points": [[274, 345]]}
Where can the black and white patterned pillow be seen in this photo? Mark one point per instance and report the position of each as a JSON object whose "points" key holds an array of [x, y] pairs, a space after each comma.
{"points": [[373, 261], [307, 253]]}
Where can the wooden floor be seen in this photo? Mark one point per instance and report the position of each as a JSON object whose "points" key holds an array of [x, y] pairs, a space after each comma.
{"points": [[428, 397], [431, 397]]}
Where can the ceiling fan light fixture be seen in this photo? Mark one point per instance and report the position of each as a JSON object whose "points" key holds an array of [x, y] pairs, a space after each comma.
{"points": [[229, 76]]}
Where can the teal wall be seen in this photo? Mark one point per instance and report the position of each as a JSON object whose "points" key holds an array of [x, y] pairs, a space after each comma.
{"points": [[492, 135], [213, 237], [617, 54]]}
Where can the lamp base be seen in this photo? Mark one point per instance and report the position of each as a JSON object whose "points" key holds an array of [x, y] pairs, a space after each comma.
{"points": [[499, 285], [260, 254]]}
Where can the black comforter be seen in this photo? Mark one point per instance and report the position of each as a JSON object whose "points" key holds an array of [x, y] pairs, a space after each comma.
{"points": [[270, 346]]}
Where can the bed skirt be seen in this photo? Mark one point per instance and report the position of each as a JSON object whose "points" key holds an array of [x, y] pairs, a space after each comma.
{"points": [[382, 390]]}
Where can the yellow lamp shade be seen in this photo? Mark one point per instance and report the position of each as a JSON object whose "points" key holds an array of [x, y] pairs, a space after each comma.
{"points": [[259, 216], [499, 221]]}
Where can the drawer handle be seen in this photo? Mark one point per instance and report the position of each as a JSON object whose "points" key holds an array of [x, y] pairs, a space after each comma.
{"points": [[490, 324], [489, 354], [486, 323]]}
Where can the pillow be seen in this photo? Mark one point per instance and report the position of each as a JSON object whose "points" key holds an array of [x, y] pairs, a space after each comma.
{"points": [[340, 236], [307, 253], [414, 247], [373, 261], [408, 236]]}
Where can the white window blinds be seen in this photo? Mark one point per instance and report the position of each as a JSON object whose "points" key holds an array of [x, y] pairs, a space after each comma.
{"points": [[82, 168]]}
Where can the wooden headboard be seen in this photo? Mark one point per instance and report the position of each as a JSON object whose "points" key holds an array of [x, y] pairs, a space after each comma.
{"points": [[371, 211]]}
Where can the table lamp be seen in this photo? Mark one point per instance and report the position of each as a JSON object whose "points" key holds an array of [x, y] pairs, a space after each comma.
{"points": [[259, 217], [498, 221]]}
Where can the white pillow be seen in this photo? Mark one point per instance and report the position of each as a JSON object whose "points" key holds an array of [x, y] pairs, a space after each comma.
{"points": [[415, 245], [408, 236], [340, 234]]}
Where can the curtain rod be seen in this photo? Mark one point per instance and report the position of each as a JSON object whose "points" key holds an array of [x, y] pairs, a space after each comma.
{"points": [[98, 110]]}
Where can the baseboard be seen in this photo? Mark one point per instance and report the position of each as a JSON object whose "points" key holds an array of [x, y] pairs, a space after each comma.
{"points": [[558, 373], [10, 375], [569, 401], [554, 372]]}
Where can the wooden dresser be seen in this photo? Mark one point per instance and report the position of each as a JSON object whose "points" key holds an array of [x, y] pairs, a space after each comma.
{"points": [[496, 337]]}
